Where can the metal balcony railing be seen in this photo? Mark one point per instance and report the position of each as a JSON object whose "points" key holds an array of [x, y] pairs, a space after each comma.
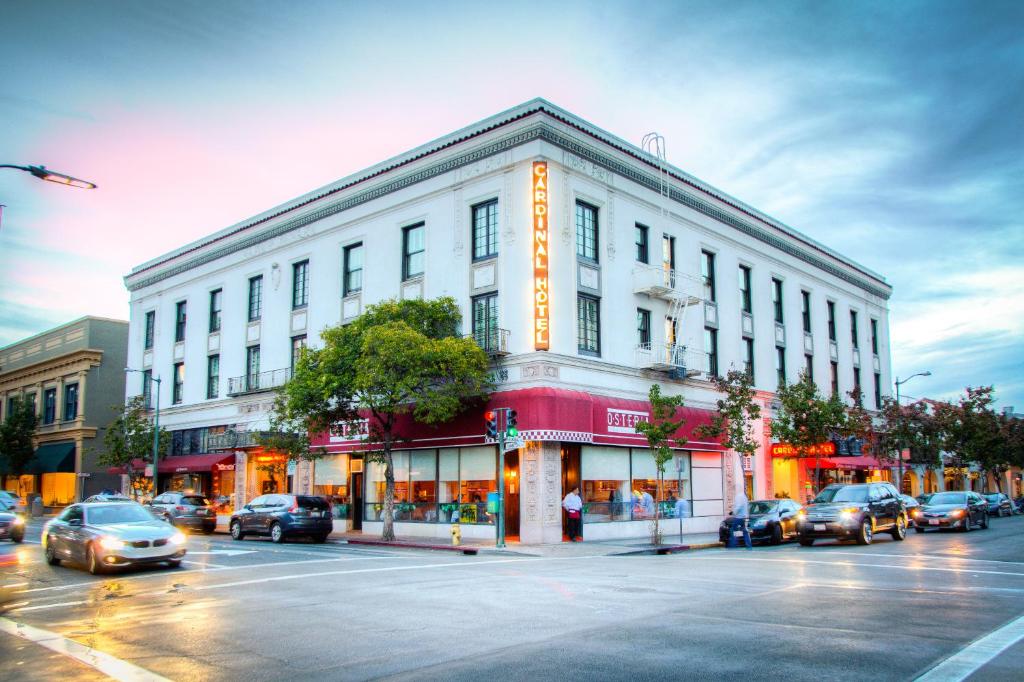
{"points": [[671, 357], [492, 341], [659, 281], [261, 381]]}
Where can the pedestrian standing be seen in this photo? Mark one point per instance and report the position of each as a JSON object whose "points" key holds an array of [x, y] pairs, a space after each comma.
{"points": [[740, 516], [573, 506]]}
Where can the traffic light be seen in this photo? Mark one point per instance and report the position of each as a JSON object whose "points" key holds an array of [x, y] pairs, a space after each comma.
{"points": [[510, 430], [492, 424]]}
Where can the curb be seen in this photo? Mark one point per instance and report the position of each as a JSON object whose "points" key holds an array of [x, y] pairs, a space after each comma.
{"points": [[668, 549], [472, 551]]}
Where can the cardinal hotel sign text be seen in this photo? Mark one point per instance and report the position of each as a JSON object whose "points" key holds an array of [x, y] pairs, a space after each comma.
{"points": [[541, 295]]}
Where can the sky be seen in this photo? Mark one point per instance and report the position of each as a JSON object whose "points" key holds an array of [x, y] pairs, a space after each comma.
{"points": [[892, 132]]}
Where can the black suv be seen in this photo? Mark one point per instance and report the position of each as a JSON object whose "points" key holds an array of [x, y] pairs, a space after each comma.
{"points": [[281, 516], [853, 512]]}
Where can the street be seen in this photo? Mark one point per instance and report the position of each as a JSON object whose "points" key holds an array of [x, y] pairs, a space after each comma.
{"points": [[259, 611]]}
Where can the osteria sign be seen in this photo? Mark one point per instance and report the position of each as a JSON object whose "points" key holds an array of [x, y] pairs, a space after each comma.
{"points": [[541, 295]]}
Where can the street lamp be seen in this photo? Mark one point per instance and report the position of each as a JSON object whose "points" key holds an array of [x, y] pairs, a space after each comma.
{"points": [[899, 447], [156, 423], [42, 173]]}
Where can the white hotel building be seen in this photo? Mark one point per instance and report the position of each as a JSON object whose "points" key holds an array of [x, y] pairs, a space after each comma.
{"points": [[651, 276]]}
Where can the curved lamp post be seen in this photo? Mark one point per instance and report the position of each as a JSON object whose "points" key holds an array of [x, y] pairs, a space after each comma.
{"points": [[43, 173], [900, 447]]}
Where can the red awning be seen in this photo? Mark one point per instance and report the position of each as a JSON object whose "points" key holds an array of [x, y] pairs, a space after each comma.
{"points": [[181, 464], [863, 462]]}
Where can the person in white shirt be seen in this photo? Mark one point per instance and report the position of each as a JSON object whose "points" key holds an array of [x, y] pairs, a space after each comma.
{"points": [[740, 516], [573, 506], [682, 508]]}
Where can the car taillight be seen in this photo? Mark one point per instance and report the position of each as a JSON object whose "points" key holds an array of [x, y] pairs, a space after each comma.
{"points": [[295, 508], [180, 508]]}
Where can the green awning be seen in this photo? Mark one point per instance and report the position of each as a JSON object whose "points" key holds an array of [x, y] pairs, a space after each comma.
{"points": [[53, 458]]}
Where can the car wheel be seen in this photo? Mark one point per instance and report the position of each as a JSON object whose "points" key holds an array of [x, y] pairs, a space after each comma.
{"points": [[320, 538], [864, 534], [899, 532], [18, 537], [92, 562], [984, 521], [236, 531], [276, 533], [174, 563], [777, 534], [918, 529], [966, 528], [51, 555], [806, 542], [1001, 512]]}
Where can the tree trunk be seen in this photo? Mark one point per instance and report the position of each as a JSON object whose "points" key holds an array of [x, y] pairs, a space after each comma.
{"points": [[388, 533], [656, 540]]}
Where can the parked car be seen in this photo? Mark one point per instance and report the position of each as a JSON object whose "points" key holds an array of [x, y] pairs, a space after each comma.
{"points": [[103, 535], [186, 510], [12, 526], [108, 497], [771, 521], [952, 510], [910, 504], [283, 516], [11, 502], [853, 512], [998, 504]]}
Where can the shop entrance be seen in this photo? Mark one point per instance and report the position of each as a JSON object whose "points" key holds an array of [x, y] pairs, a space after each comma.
{"points": [[357, 500], [512, 496], [570, 479]]}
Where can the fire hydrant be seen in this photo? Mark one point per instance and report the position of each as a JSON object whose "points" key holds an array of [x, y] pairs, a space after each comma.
{"points": [[456, 534]]}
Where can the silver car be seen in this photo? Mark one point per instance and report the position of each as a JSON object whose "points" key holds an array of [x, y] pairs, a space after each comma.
{"points": [[104, 535]]}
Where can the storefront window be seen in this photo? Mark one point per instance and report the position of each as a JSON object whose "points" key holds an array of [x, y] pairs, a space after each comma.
{"points": [[423, 482], [645, 484], [606, 491], [222, 489], [58, 489], [330, 479], [478, 469], [448, 485]]}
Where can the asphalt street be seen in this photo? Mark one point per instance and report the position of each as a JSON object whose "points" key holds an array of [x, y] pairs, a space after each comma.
{"points": [[254, 610]]}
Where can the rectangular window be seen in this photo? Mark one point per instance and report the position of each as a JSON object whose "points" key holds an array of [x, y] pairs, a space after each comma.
{"points": [[213, 376], [150, 329], [668, 253], [298, 345], [711, 349], [49, 405], [300, 284], [255, 297], [643, 327], [252, 368], [588, 325], [745, 304], [853, 328], [70, 402], [805, 303], [748, 357], [352, 280], [147, 388], [809, 367], [413, 248], [179, 321], [485, 321], [878, 391], [859, 399], [707, 273], [671, 327], [874, 336], [777, 299], [485, 230], [31, 398], [835, 378], [215, 307], [780, 365], [586, 231], [642, 249], [831, 306], [178, 388]]}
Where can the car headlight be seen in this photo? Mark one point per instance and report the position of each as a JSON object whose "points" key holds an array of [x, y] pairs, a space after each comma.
{"points": [[760, 523], [108, 542], [956, 513], [917, 513], [801, 515], [18, 521], [847, 514], [178, 538]]}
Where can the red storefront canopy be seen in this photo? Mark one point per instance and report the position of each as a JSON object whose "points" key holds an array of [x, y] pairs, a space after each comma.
{"points": [[181, 464]]}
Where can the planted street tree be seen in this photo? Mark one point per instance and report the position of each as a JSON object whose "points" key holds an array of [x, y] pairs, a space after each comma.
{"points": [[16, 432], [912, 427], [660, 432], [130, 437], [971, 431], [397, 358], [736, 414]]}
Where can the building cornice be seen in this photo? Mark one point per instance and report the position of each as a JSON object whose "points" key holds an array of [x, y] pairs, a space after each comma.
{"points": [[51, 369]]}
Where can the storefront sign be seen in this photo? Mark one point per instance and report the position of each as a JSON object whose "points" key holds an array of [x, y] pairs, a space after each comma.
{"points": [[819, 450], [541, 294], [224, 467], [625, 421], [349, 432]]}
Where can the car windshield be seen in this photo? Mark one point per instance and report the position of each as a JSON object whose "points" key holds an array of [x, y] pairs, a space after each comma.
{"points": [[846, 494], [763, 507], [992, 497], [117, 513], [909, 500], [947, 498], [195, 501]]}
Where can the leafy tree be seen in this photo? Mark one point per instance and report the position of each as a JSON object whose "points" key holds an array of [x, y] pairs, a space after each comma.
{"points": [[912, 426], [971, 431], [16, 434], [398, 357], [736, 414], [130, 437], [660, 432]]}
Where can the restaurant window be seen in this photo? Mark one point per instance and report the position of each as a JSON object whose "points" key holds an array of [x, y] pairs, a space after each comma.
{"points": [[835, 378], [878, 391], [874, 336], [150, 329], [70, 402], [745, 303], [147, 389], [707, 274], [748, 357], [179, 382], [413, 248], [179, 321], [448, 485], [586, 231], [607, 494], [780, 365], [255, 298], [777, 300], [298, 345], [352, 280], [642, 248], [330, 479], [423, 486], [643, 327], [212, 376], [485, 230], [485, 321], [300, 284], [805, 303], [252, 368], [853, 329], [711, 349], [831, 307], [215, 309], [477, 477], [49, 405], [644, 493], [588, 325]]}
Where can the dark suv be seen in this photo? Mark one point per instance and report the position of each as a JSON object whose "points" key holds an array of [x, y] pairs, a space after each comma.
{"points": [[282, 516], [186, 510], [854, 512]]}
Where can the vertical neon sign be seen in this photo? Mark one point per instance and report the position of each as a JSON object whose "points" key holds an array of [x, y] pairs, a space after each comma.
{"points": [[541, 296]]}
